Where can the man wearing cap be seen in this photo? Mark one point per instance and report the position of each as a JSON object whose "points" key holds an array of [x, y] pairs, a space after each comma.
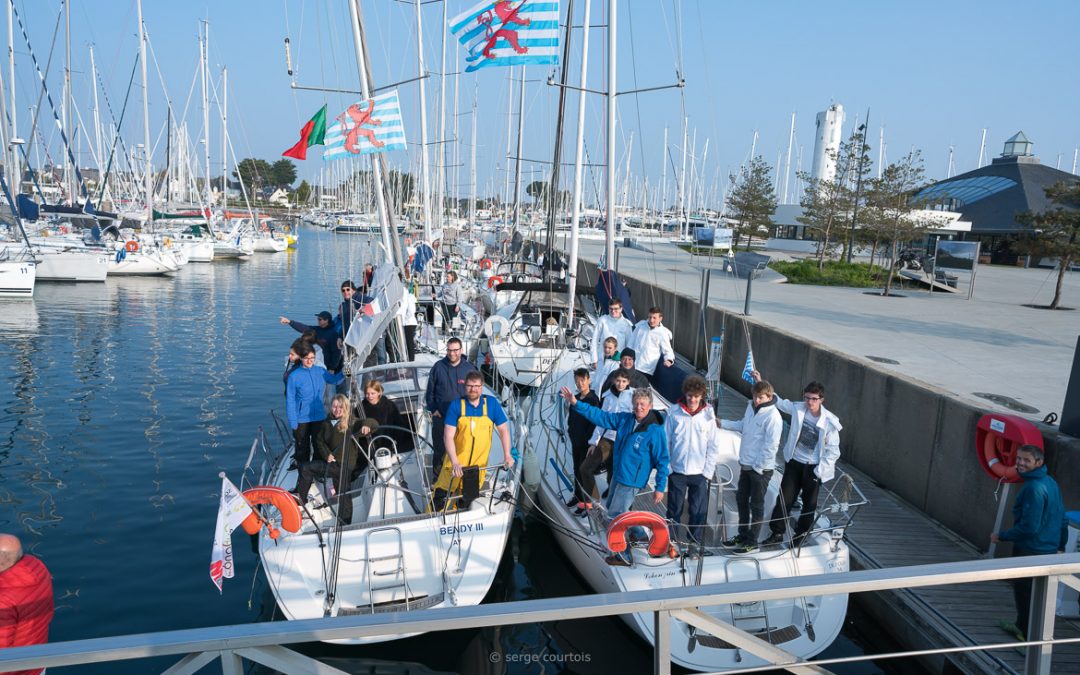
{"points": [[26, 598], [627, 359], [326, 336]]}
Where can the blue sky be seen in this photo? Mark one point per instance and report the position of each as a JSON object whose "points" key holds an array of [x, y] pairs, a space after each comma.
{"points": [[934, 74]]}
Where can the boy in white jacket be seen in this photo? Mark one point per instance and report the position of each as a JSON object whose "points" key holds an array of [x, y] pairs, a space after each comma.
{"points": [[613, 324], [761, 428], [694, 447], [651, 342]]}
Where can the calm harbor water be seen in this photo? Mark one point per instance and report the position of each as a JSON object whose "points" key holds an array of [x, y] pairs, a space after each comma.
{"points": [[121, 402]]}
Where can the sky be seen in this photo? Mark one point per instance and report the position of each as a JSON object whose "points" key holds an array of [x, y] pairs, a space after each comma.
{"points": [[931, 75]]}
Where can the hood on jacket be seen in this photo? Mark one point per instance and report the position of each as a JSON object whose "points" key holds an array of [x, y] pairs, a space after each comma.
{"points": [[688, 411], [1034, 473], [766, 404], [654, 417]]}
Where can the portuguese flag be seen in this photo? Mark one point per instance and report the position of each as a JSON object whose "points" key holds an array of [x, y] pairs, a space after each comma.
{"points": [[312, 134]]}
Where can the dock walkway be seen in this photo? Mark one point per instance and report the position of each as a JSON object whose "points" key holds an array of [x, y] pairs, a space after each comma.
{"points": [[889, 532]]}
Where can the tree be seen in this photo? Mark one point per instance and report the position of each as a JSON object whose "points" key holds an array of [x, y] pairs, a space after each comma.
{"points": [[752, 200], [1056, 231], [828, 203], [254, 173], [538, 190], [283, 173], [892, 211], [303, 192]]}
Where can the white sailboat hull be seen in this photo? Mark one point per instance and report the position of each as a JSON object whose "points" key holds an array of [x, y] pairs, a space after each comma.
{"points": [[17, 279], [197, 251], [72, 265], [141, 263], [270, 245]]}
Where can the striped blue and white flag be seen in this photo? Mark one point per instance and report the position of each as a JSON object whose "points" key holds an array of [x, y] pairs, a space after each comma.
{"points": [[366, 127], [749, 367], [508, 33]]}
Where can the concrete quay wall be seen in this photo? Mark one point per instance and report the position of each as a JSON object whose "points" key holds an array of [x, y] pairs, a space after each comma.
{"points": [[909, 437]]}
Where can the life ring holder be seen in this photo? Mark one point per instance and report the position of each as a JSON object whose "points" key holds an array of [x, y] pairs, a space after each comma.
{"points": [[486, 264], [494, 281], [279, 498], [997, 440], [132, 246], [660, 543]]}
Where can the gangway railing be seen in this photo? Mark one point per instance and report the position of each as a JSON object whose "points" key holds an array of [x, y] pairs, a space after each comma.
{"points": [[263, 642]]}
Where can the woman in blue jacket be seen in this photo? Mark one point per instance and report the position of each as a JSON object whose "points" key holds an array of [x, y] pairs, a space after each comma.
{"points": [[304, 402]]}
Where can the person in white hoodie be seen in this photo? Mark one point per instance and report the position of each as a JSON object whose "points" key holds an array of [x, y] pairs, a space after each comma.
{"points": [[618, 399], [609, 362], [810, 455], [613, 324], [694, 447], [651, 341], [761, 427]]}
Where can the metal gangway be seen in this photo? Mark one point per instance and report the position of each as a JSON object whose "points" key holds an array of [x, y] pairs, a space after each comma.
{"points": [[263, 643]]}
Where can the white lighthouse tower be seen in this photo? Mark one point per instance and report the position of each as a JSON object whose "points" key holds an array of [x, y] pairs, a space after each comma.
{"points": [[827, 142]]}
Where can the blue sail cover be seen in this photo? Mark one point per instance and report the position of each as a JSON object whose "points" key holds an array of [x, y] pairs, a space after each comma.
{"points": [[609, 286], [28, 208]]}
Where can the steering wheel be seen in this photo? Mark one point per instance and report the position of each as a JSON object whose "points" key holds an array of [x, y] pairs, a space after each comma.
{"points": [[520, 333]]}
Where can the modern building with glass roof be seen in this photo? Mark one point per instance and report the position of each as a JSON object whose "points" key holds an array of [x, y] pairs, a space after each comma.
{"points": [[992, 196]]}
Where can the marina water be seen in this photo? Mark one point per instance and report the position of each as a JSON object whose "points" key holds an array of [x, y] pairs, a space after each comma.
{"points": [[120, 403]]}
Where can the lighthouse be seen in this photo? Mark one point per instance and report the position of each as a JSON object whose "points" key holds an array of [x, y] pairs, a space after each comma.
{"points": [[827, 142]]}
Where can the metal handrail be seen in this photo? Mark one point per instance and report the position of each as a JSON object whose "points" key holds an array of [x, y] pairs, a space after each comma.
{"points": [[232, 642]]}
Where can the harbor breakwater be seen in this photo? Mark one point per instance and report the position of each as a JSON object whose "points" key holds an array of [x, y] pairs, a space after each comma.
{"points": [[911, 438]]}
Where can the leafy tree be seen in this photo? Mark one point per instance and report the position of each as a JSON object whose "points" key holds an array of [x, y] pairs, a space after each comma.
{"points": [[283, 173], [303, 192], [538, 190], [1056, 231], [891, 210], [752, 200], [254, 173], [829, 204]]}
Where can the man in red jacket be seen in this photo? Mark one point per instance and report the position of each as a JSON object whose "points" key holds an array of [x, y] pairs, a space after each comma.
{"points": [[26, 598]]}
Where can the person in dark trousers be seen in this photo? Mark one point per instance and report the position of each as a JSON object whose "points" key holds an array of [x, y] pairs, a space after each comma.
{"points": [[304, 402], [627, 361], [579, 430], [761, 427], [693, 448], [446, 383], [337, 455], [810, 455], [1039, 528], [26, 599], [375, 405], [326, 336]]}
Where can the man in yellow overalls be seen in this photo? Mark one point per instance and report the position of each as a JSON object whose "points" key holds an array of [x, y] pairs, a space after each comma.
{"points": [[470, 426]]}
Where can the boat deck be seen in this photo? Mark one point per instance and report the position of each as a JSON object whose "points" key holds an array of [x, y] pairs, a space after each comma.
{"points": [[889, 532]]}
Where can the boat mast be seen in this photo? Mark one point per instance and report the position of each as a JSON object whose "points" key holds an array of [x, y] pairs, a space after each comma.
{"points": [[97, 114], [509, 117], [440, 173], [204, 56], [579, 152], [684, 226], [517, 160], [472, 165], [425, 185], [13, 139], [787, 163], [148, 179], [556, 165], [225, 140], [609, 251], [662, 202], [376, 165]]}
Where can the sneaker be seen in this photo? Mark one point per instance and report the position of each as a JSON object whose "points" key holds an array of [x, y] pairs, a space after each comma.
{"points": [[573, 502], [616, 560], [732, 543], [604, 495], [746, 546], [773, 540], [580, 512]]}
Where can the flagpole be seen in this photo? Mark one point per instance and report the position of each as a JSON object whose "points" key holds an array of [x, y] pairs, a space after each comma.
{"points": [[376, 165], [579, 152], [517, 162]]}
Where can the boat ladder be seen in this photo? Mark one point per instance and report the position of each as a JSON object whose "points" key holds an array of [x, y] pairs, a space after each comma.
{"points": [[747, 607], [394, 569]]}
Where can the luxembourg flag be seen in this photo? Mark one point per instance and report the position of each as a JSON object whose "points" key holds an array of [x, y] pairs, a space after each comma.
{"points": [[366, 127], [232, 511], [508, 33], [749, 367]]}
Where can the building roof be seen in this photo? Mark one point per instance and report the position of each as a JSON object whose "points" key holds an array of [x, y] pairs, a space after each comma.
{"points": [[991, 197]]}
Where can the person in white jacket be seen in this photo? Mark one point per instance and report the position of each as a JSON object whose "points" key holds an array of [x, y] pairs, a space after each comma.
{"points": [[608, 363], [613, 324], [651, 341], [810, 455], [761, 427], [694, 447], [617, 399]]}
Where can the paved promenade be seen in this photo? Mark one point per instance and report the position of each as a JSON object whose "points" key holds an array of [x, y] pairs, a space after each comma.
{"points": [[989, 344]]}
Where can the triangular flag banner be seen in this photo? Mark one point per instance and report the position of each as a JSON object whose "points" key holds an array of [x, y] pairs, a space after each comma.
{"points": [[507, 33], [313, 133], [748, 369], [232, 510], [366, 127]]}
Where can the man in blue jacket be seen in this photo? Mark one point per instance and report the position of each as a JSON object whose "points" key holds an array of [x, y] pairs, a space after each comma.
{"points": [[640, 446], [1039, 527], [326, 336], [446, 383]]}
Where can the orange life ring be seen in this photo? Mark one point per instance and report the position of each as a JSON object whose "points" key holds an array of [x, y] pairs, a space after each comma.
{"points": [[132, 246], [485, 264], [280, 499], [494, 281], [659, 544], [1000, 458]]}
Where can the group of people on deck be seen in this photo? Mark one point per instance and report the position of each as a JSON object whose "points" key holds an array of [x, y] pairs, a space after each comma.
{"points": [[619, 431]]}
